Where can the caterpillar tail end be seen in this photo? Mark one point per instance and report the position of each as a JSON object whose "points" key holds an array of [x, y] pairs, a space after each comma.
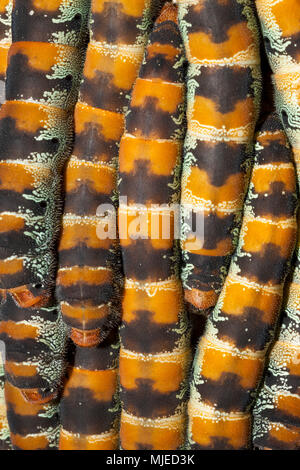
{"points": [[25, 298], [37, 397], [200, 300], [85, 338], [168, 13]]}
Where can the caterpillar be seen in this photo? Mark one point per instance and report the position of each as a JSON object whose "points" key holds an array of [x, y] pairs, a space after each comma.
{"points": [[89, 277], [33, 426], [36, 131], [223, 98], [231, 354], [5, 41], [276, 413], [154, 354]]}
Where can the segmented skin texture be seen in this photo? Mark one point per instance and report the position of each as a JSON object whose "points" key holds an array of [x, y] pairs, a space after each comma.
{"points": [[33, 338], [89, 278], [223, 94], [276, 414], [33, 426], [5, 41], [90, 408], [231, 354], [154, 355], [36, 129]]}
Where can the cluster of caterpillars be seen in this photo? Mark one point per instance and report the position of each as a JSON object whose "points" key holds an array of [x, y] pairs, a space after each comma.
{"points": [[115, 117]]}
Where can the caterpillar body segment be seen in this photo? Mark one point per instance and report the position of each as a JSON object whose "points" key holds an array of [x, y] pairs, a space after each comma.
{"points": [[231, 354], [89, 406], [34, 345], [88, 277], [36, 131], [51, 73], [276, 413], [51, 21], [280, 25], [33, 426], [154, 355], [223, 97]]}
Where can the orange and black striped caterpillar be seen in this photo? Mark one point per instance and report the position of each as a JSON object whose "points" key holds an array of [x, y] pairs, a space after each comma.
{"points": [[36, 129], [230, 358], [5, 41], [155, 354], [223, 95], [277, 409], [36, 133], [88, 281]]}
